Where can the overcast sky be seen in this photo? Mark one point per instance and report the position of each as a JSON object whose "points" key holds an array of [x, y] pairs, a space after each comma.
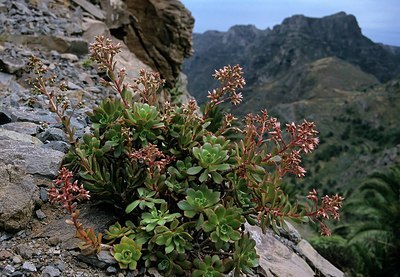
{"points": [[379, 19]]}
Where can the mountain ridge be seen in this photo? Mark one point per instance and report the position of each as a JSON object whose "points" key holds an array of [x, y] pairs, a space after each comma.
{"points": [[264, 54]]}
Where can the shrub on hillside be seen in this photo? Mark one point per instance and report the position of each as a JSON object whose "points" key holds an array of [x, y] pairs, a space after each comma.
{"points": [[186, 188]]}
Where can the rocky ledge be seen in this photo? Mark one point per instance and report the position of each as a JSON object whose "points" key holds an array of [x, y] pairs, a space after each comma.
{"points": [[34, 239]]}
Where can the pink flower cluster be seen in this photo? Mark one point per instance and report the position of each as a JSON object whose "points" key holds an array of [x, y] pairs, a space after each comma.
{"points": [[103, 51], [231, 79], [66, 192], [299, 139], [303, 136], [151, 156], [329, 207]]}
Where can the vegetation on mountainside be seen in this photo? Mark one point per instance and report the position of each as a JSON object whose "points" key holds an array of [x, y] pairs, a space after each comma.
{"points": [[368, 243], [184, 190]]}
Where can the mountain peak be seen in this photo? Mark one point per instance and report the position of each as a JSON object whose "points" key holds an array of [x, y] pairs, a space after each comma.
{"points": [[243, 28], [337, 25]]}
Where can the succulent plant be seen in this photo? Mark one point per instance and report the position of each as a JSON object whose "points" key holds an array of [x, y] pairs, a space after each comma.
{"points": [[245, 256], [152, 160], [157, 217], [211, 158], [198, 200], [146, 200], [106, 113], [208, 267], [146, 121], [224, 224], [117, 231], [173, 238], [127, 253], [170, 264]]}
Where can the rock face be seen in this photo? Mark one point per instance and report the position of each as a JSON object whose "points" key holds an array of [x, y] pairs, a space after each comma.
{"points": [[294, 257], [164, 43]]}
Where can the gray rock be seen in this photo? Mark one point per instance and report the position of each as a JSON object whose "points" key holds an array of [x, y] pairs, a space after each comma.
{"points": [[29, 266], [5, 117], [11, 65], [17, 259], [275, 257], [57, 145], [290, 233], [11, 135], [5, 237], [25, 251], [101, 260], [22, 8], [52, 134], [55, 54], [111, 270], [73, 86], [18, 196], [70, 57], [35, 160], [43, 195], [62, 44], [35, 116], [317, 261], [9, 269], [51, 271], [281, 260], [61, 266], [53, 241], [40, 214], [28, 128], [94, 216], [3, 7], [6, 79], [4, 255], [22, 234], [106, 257], [90, 8]]}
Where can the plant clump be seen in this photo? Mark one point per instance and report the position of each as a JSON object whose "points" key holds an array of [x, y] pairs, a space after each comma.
{"points": [[186, 188]]}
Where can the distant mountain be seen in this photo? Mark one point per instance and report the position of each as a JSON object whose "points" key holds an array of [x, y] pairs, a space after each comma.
{"points": [[266, 54], [321, 69]]}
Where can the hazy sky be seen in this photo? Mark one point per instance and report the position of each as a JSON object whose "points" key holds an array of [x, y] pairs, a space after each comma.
{"points": [[379, 19]]}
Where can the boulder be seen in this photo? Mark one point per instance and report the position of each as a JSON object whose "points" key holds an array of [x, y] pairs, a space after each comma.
{"points": [[163, 44], [275, 257], [317, 261], [18, 195], [62, 44], [125, 59], [32, 159], [28, 128], [11, 64], [282, 257], [97, 217], [12, 135]]}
